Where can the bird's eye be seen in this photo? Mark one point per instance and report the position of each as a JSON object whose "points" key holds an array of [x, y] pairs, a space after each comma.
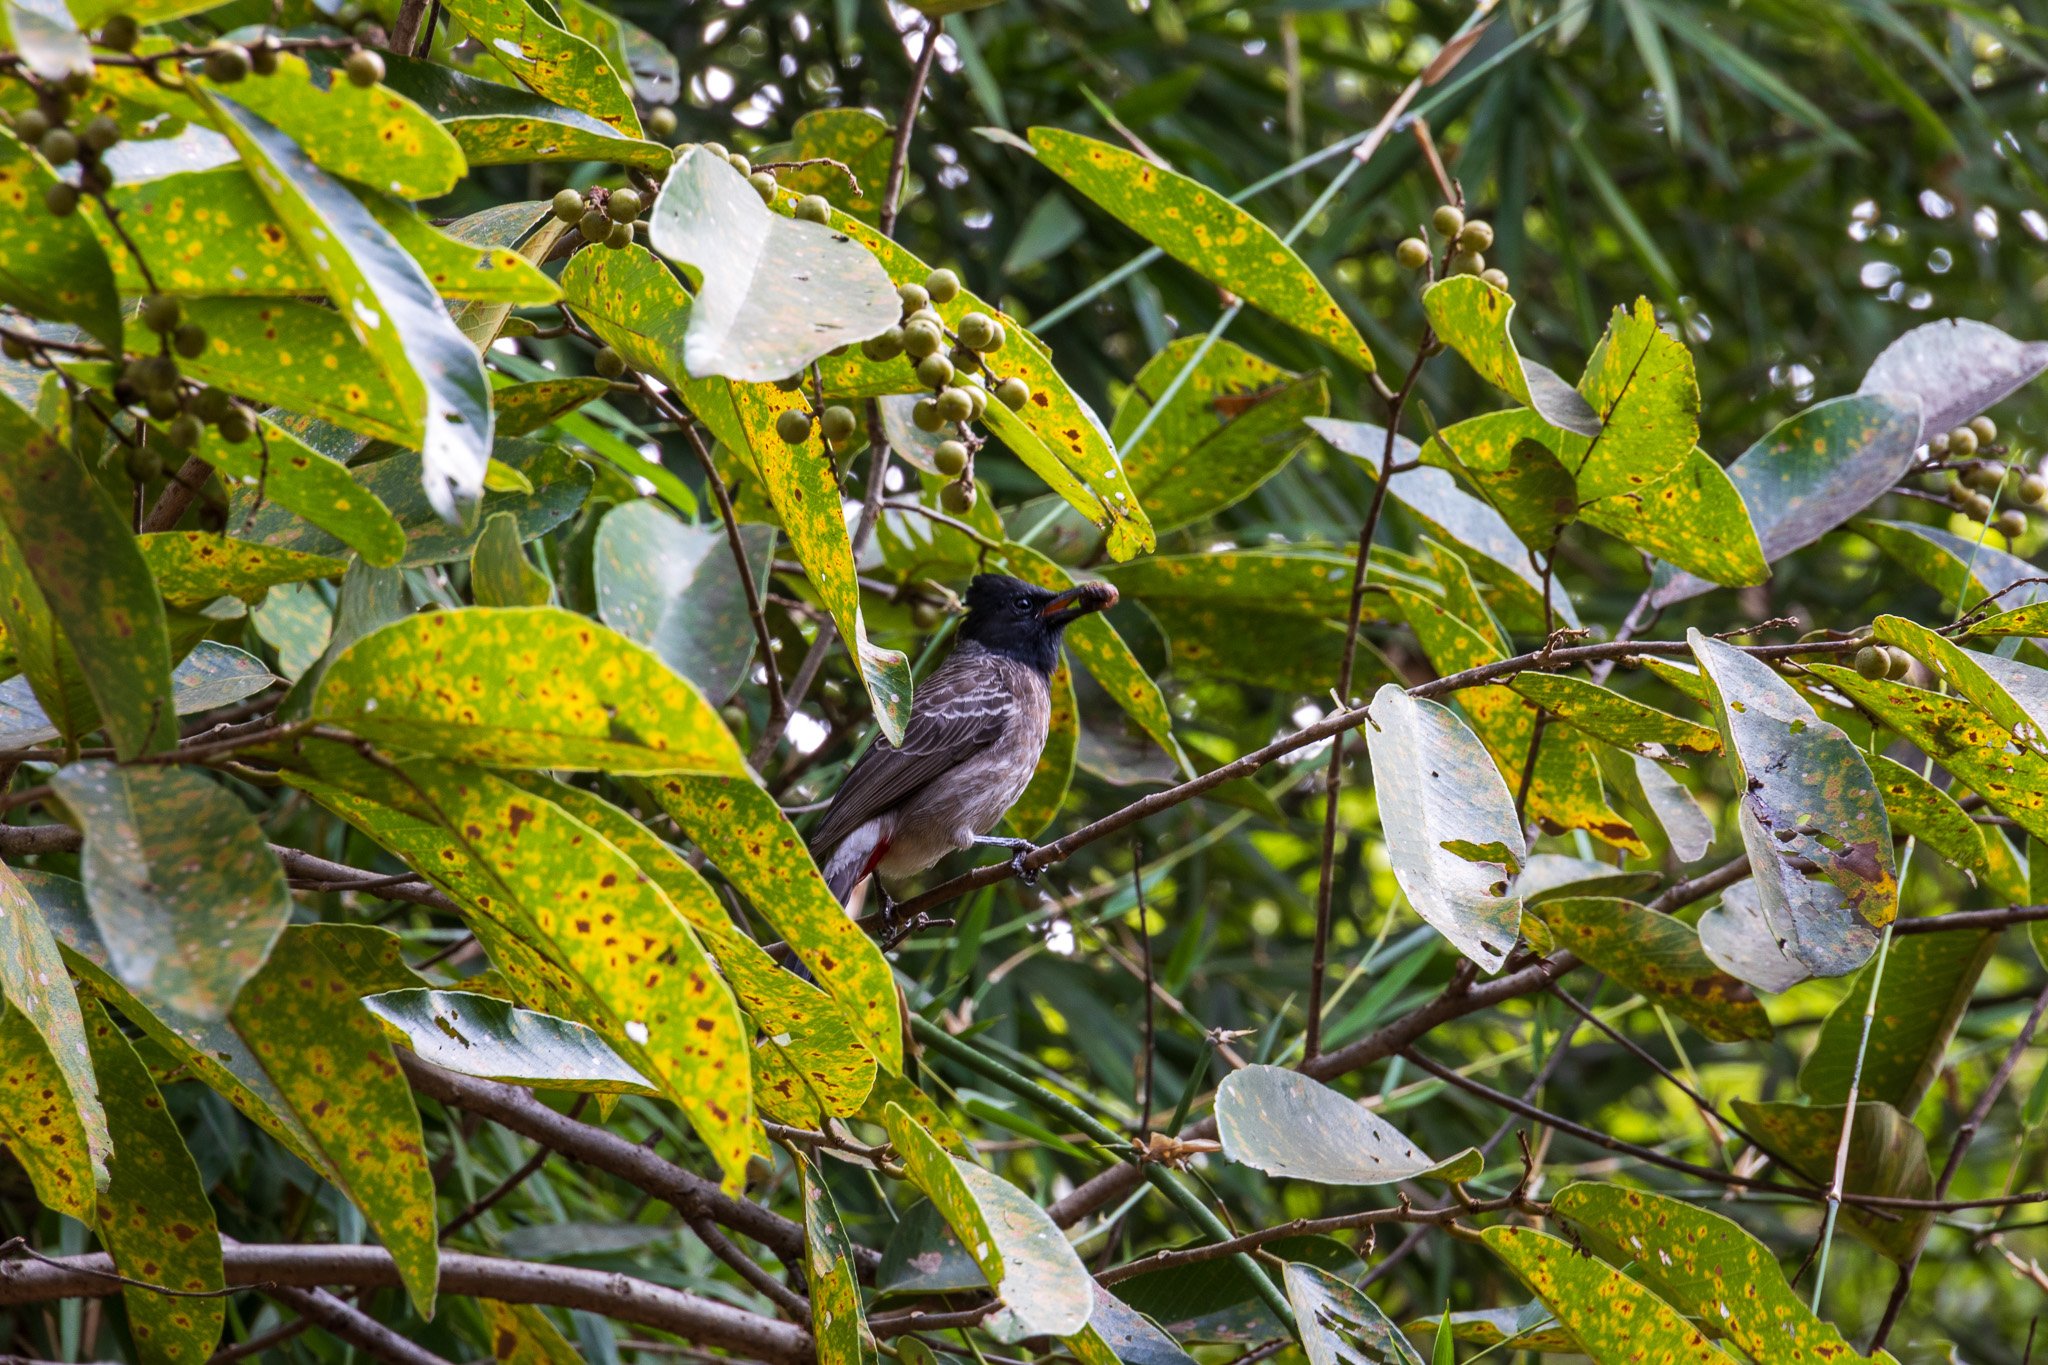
{"points": [[1023, 604]]}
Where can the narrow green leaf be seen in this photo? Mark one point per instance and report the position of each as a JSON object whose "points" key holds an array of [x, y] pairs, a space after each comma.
{"points": [[1615, 1319], [2012, 693], [42, 1010], [300, 480], [43, 1122], [1205, 232], [1917, 807], [1928, 979], [500, 575], [497, 124], [1290, 1126], [1614, 719], [1693, 519], [300, 357], [526, 408], [1526, 1327], [838, 1323]]}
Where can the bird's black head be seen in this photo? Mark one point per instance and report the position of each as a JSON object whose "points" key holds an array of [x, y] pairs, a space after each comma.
{"points": [[1011, 617]]}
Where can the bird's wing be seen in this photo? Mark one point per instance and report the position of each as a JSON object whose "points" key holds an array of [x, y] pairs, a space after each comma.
{"points": [[956, 714]]}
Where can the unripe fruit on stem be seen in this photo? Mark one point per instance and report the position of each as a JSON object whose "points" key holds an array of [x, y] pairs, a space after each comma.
{"points": [[978, 396], [927, 615], [609, 363], [144, 464], [161, 313], [59, 146], [793, 426], [30, 125], [185, 432], [14, 348], [569, 206], [957, 498], [61, 200], [1495, 277], [925, 415], [1986, 429], [620, 237], [1962, 441], [1872, 662], [1975, 504], [263, 56], [594, 225], [189, 340], [814, 208], [976, 330], [739, 162], [162, 404], [964, 360], [1468, 263], [230, 63], [2012, 523], [764, 185], [942, 285], [950, 458], [235, 426], [1937, 444], [921, 339], [914, 297], [1448, 220], [1013, 393], [716, 149], [955, 406], [661, 121], [1985, 478], [623, 205], [734, 716], [2033, 489], [934, 371], [365, 68], [1901, 663], [101, 134], [887, 346], [1412, 253], [837, 423], [1475, 236], [119, 33], [926, 314]]}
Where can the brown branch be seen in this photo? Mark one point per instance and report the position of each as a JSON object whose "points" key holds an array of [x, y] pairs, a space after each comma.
{"points": [[405, 29], [348, 1324], [1300, 1227], [177, 495], [906, 124], [492, 1197], [785, 1298]]}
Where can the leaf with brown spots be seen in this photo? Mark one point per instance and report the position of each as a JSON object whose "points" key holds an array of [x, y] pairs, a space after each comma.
{"points": [[183, 886], [1031, 813], [154, 1216], [752, 843], [1204, 231], [855, 137], [499, 124], [297, 479], [1026, 1258], [1616, 1320], [1810, 814], [195, 567], [42, 1123], [1693, 519], [1614, 719], [2012, 693], [837, 1322], [1296, 1128], [521, 1334], [297, 356], [525, 408], [1887, 1157], [1658, 956], [327, 1056], [524, 687], [37, 993], [1472, 318], [1928, 981], [1339, 1325], [548, 59], [50, 267]]}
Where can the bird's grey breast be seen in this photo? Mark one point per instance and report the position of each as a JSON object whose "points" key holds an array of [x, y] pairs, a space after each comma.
{"points": [[975, 795]]}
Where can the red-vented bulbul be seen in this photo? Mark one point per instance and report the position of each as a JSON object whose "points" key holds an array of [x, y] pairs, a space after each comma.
{"points": [[976, 728]]}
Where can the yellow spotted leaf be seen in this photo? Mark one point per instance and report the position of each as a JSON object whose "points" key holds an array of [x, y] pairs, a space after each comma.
{"points": [[1614, 1318], [195, 567]]}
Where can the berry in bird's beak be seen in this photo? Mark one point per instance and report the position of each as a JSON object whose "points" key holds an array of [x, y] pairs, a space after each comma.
{"points": [[1078, 601]]}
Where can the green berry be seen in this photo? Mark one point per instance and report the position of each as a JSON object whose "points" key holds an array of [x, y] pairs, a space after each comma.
{"points": [[101, 134], [609, 363], [263, 56], [624, 205], [213, 405], [964, 360], [716, 149], [1013, 393], [922, 339], [950, 458], [1448, 220], [235, 426], [1937, 444], [793, 426], [976, 331], [955, 405], [914, 297], [1962, 441], [189, 340], [55, 102], [957, 498], [887, 346], [594, 225], [2033, 490], [935, 371], [620, 237], [814, 208], [942, 285], [185, 432], [569, 206], [930, 315], [661, 121], [14, 348], [59, 146], [925, 416], [2012, 523], [978, 396], [161, 313], [763, 183], [1497, 278], [1412, 253], [739, 162], [144, 464], [229, 63], [1986, 429], [1475, 236], [1901, 664], [1872, 662], [30, 125], [1975, 504], [1985, 478], [163, 404], [995, 342], [347, 14], [119, 33], [78, 82], [837, 423], [927, 615], [1468, 263]]}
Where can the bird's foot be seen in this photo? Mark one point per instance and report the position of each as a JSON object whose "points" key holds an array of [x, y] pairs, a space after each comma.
{"points": [[1020, 849]]}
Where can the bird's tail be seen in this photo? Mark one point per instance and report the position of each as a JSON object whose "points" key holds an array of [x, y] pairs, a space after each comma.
{"points": [[851, 860]]}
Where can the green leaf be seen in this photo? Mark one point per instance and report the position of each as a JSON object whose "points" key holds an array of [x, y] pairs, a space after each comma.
{"points": [[1963, 571], [154, 1216], [1928, 979], [300, 357], [43, 1121], [1614, 719], [1044, 1287], [2028, 622], [1445, 1349], [1957, 368], [1815, 470], [51, 267], [639, 58], [42, 1013], [2012, 693], [476, 1035], [856, 138], [329, 1059], [548, 59], [1810, 814], [525, 408], [302, 481], [1528, 1327], [195, 567], [774, 293], [1706, 1266], [1471, 317], [750, 841], [390, 304], [1339, 1325], [1640, 381], [521, 687], [1657, 956], [520, 1334], [1437, 782], [528, 230], [1686, 826], [183, 886], [496, 124], [1614, 1318], [1887, 1158], [1290, 1126], [92, 582], [1917, 807], [560, 483], [675, 588], [1205, 232], [1553, 876], [837, 1322], [1737, 936], [1694, 519], [500, 575], [1231, 426]]}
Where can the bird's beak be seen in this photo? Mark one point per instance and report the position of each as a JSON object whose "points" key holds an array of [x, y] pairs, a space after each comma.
{"points": [[1078, 601]]}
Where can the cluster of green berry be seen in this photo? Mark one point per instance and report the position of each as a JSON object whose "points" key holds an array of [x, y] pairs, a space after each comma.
{"points": [[48, 126], [1974, 485], [154, 382], [604, 217], [1883, 661], [1468, 241]]}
